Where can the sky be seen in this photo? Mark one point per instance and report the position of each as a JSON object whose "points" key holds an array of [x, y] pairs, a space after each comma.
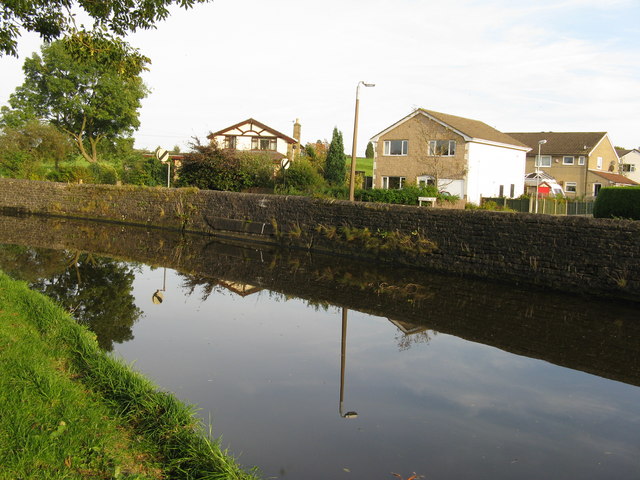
{"points": [[517, 65]]}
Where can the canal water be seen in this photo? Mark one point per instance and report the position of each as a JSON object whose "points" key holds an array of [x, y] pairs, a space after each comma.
{"points": [[320, 368]]}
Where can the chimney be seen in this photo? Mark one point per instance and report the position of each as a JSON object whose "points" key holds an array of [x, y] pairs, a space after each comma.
{"points": [[296, 134]]}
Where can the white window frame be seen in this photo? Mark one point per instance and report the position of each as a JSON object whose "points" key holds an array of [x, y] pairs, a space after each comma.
{"points": [[257, 143], [571, 187], [581, 160], [385, 182], [450, 148], [568, 160], [404, 148], [541, 158], [628, 167], [425, 180], [599, 163]]}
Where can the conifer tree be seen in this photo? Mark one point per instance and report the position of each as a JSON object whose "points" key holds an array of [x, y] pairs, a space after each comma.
{"points": [[335, 168], [369, 151]]}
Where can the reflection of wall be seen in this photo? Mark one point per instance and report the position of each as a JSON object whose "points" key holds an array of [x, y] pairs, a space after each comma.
{"points": [[568, 253], [593, 336]]}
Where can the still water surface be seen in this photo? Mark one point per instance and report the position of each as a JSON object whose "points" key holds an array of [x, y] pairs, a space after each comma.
{"points": [[269, 371]]}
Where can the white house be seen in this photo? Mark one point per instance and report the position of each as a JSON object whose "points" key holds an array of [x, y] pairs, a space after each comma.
{"points": [[465, 157], [629, 163], [254, 136]]}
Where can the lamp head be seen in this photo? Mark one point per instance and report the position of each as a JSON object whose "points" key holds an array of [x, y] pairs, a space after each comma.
{"points": [[542, 142], [350, 415]]}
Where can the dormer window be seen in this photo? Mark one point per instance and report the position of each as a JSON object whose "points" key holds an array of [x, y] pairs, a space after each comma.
{"points": [[263, 143]]}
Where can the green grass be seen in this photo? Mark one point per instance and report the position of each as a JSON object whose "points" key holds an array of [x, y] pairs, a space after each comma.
{"points": [[364, 164], [68, 410]]}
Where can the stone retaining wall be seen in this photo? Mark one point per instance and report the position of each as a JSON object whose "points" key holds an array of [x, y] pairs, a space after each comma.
{"points": [[566, 253]]}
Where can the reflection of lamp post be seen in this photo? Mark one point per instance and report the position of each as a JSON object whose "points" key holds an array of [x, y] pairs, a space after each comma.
{"points": [[157, 297], [540, 143], [343, 354], [352, 178]]}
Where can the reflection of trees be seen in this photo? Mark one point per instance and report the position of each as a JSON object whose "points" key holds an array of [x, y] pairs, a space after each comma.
{"points": [[97, 291], [406, 340]]}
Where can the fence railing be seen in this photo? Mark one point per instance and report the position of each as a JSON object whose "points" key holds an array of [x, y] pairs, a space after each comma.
{"points": [[549, 206]]}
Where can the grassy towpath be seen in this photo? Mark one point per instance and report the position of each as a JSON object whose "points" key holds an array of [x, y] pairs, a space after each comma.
{"points": [[70, 411]]}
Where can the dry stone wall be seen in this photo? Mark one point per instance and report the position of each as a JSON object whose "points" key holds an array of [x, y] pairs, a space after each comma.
{"points": [[578, 254]]}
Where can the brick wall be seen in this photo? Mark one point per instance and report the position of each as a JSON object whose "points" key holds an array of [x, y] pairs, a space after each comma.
{"points": [[566, 253]]}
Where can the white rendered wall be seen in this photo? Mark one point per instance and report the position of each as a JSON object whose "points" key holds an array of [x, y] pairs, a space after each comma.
{"points": [[632, 158], [244, 142], [491, 166]]}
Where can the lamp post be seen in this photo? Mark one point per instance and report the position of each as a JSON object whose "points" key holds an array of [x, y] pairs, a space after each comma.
{"points": [[343, 355], [540, 143], [352, 178]]}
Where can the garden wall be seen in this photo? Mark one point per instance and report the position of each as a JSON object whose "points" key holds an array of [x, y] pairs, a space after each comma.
{"points": [[566, 253]]}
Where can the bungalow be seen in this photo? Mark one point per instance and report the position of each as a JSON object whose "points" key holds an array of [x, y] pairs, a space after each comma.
{"points": [[253, 136], [464, 157], [576, 160]]}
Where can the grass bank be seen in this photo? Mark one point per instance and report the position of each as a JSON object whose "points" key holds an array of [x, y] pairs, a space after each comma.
{"points": [[69, 410]]}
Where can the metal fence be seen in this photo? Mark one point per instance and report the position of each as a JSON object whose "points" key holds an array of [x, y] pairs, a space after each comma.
{"points": [[549, 206]]}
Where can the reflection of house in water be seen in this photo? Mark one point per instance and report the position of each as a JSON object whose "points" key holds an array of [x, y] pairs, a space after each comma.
{"points": [[242, 289], [412, 333]]}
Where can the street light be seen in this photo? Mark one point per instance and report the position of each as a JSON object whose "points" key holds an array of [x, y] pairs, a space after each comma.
{"points": [[343, 355], [352, 179], [540, 143]]}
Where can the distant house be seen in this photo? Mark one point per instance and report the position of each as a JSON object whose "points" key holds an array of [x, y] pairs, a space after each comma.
{"points": [[254, 136], [464, 157], [629, 163], [576, 160]]}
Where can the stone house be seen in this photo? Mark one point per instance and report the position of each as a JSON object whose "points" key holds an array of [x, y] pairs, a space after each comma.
{"points": [[464, 157], [576, 160], [253, 136]]}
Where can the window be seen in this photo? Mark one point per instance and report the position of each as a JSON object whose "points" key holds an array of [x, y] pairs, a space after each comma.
{"points": [[512, 191], [570, 187], [442, 148], [543, 161], [425, 180], [627, 167], [263, 143], [599, 163], [581, 160], [568, 160], [230, 142], [396, 147], [391, 183]]}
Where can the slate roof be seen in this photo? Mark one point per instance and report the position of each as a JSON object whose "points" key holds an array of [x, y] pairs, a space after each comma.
{"points": [[560, 143], [475, 129]]}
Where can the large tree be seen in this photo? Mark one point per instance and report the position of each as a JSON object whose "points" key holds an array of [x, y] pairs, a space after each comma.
{"points": [[53, 19], [335, 168], [90, 94]]}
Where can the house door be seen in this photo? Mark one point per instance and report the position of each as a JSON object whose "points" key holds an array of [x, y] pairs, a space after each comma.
{"points": [[596, 189]]}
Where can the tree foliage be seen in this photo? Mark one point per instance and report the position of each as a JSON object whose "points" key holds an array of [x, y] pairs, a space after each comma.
{"points": [[335, 168], [211, 168], [25, 147], [369, 151], [90, 97], [52, 19]]}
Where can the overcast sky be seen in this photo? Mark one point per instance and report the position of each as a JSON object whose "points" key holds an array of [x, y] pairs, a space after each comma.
{"points": [[517, 65]]}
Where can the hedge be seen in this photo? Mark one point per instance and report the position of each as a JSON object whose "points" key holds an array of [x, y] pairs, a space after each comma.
{"points": [[618, 202]]}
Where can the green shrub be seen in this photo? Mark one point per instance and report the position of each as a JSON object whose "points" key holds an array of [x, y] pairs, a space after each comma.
{"points": [[71, 175], [147, 171], [301, 176], [618, 202], [103, 173], [404, 196]]}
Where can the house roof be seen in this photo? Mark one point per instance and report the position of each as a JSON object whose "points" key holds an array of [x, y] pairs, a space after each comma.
{"points": [[614, 177], [472, 130], [622, 151], [561, 143], [255, 128]]}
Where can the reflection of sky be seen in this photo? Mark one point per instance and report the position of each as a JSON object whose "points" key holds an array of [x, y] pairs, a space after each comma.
{"points": [[267, 371]]}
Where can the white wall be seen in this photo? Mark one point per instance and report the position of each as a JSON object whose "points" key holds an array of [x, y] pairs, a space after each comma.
{"points": [[632, 158], [244, 142], [491, 166]]}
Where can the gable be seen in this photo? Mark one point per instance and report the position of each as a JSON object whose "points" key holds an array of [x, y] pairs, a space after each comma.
{"points": [[252, 128]]}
